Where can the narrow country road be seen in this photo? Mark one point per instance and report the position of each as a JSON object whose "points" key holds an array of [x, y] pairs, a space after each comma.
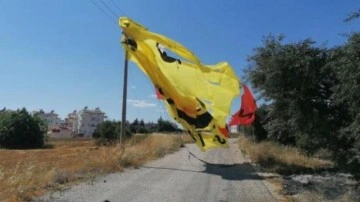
{"points": [[179, 177]]}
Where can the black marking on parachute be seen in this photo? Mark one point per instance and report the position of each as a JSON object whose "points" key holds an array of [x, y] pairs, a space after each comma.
{"points": [[132, 43], [241, 114], [170, 101], [201, 103], [220, 140], [201, 121], [201, 139], [165, 57]]}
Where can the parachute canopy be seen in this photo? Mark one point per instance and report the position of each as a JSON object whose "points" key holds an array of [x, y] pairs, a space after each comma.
{"points": [[197, 96]]}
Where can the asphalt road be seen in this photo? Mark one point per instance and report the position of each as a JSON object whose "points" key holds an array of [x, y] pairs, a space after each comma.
{"points": [[179, 177]]}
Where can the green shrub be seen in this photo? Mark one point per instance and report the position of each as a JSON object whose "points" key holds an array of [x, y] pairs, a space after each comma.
{"points": [[109, 131], [20, 130]]}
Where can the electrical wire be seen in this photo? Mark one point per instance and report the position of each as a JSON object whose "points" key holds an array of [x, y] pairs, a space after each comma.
{"points": [[103, 12], [109, 9], [118, 7]]}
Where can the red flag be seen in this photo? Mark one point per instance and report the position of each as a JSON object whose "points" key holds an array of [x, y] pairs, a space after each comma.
{"points": [[246, 114]]}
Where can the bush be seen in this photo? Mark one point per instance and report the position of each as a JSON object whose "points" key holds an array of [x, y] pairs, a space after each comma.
{"points": [[109, 130], [20, 130]]}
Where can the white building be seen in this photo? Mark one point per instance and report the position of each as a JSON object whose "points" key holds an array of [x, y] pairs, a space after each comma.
{"points": [[50, 118], [61, 132], [234, 129], [85, 121], [71, 122]]}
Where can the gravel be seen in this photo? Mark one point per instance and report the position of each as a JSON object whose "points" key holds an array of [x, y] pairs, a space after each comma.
{"points": [[227, 176]]}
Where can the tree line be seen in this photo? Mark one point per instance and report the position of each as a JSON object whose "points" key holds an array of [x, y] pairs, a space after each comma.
{"points": [[110, 130], [310, 96], [21, 130]]}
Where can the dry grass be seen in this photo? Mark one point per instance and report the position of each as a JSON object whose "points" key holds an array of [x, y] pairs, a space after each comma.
{"points": [[281, 159], [273, 157], [25, 174]]}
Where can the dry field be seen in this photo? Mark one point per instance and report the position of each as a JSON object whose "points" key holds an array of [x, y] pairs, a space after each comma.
{"points": [[25, 174]]}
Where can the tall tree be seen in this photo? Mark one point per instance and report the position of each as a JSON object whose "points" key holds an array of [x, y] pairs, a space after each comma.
{"points": [[346, 61], [296, 83]]}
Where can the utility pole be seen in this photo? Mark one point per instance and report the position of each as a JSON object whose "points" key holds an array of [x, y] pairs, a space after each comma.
{"points": [[123, 115]]}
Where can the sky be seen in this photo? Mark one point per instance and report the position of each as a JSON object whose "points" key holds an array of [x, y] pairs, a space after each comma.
{"points": [[64, 55]]}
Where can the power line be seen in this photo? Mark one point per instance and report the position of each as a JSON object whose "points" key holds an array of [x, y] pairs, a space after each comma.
{"points": [[115, 4], [104, 12], [109, 9]]}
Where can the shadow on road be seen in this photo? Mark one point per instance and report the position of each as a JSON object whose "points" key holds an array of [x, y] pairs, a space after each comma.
{"points": [[237, 172], [243, 171]]}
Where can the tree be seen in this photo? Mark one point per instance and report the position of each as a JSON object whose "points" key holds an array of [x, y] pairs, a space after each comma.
{"points": [[312, 95], [134, 126], [353, 16], [296, 82], [166, 126], [110, 130], [259, 122], [20, 130], [139, 127], [142, 123], [346, 61]]}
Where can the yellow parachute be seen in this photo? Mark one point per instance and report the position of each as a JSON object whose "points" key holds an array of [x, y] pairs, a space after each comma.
{"points": [[197, 96]]}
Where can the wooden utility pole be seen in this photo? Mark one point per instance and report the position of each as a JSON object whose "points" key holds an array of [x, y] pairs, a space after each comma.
{"points": [[123, 115]]}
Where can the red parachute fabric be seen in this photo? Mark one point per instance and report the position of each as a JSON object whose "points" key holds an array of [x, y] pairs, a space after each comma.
{"points": [[246, 114], [224, 131], [159, 95]]}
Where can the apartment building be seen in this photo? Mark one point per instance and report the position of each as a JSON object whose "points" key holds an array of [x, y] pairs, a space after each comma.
{"points": [[84, 122], [50, 118]]}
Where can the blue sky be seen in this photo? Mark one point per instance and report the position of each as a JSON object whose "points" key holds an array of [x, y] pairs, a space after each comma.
{"points": [[66, 54]]}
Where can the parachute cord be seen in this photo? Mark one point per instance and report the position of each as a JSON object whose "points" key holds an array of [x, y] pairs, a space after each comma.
{"points": [[207, 163]]}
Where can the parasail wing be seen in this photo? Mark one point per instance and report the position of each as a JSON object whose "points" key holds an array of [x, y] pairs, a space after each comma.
{"points": [[196, 95]]}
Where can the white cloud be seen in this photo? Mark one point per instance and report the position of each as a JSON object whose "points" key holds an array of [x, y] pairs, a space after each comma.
{"points": [[141, 103], [161, 110], [153, 96]]}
